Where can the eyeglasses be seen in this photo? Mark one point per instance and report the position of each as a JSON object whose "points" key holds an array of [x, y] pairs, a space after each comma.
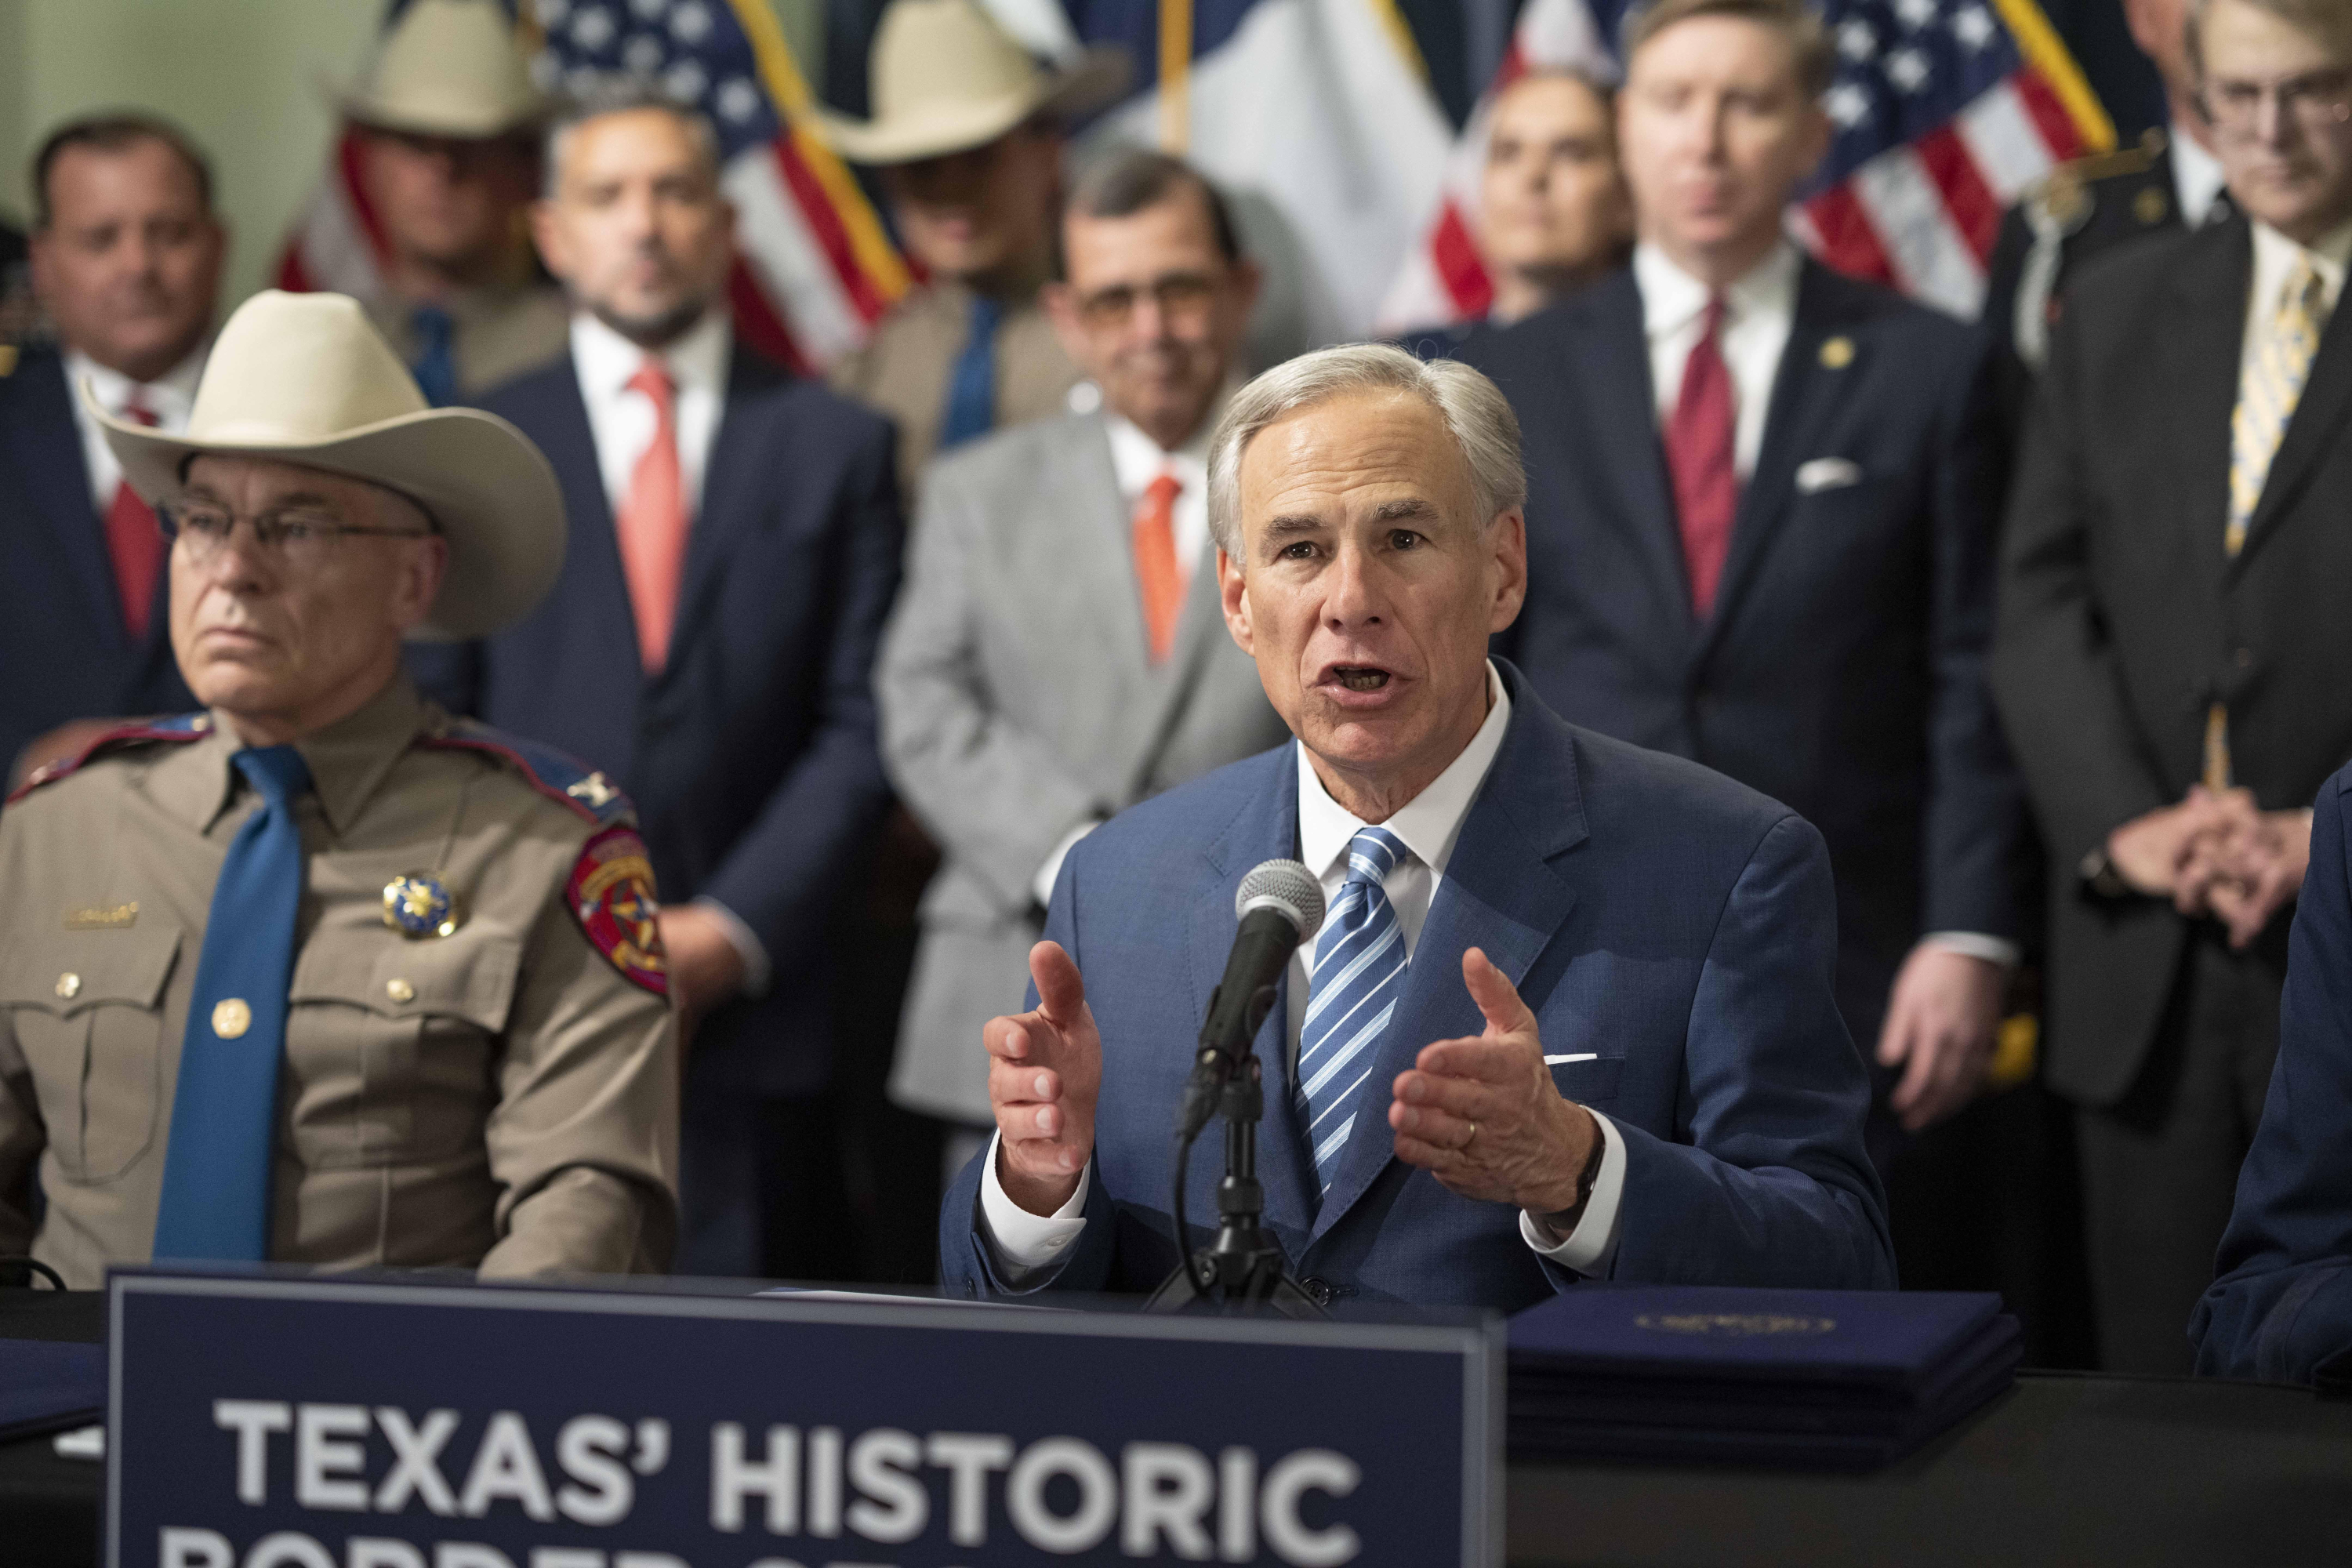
{"points": [[1182, 294], [293, 535], [2319, 101]]}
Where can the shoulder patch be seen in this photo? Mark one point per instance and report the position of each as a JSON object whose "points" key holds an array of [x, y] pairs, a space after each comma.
{"points": [[611, 892], [185, 727], [554, 774]]}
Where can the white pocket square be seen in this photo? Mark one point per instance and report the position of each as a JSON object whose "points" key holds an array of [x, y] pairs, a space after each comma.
{"points": [[1827, 474], [1572, 1056]]}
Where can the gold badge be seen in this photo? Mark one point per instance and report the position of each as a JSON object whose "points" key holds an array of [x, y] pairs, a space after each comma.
{"points": [[1837, 353], [68, 985], [106, 917], [417, 905], [2149, 207], [231, 1018]]}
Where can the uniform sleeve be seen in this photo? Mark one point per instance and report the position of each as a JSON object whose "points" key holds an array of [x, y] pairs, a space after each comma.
{"points": [[583, 1139]]}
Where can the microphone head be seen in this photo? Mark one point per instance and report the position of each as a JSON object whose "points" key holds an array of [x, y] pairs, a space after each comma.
{"points": [[1285, 886]]}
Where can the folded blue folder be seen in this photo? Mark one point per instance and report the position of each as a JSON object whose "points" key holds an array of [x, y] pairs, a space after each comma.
{"points": [[47, 1387], [1842, 1380]]}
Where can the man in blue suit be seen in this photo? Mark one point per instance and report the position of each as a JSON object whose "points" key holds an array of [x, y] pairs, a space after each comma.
{"points": [[734, 548], [2283, 1307], [1570, 1015], [126, 260]]}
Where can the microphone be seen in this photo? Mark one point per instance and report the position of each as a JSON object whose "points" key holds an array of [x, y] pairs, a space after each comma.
{"points": [[1279, 906]]}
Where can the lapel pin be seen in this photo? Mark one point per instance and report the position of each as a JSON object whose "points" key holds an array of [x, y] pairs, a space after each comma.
{"points": [[1838, 352], [416, 905]]}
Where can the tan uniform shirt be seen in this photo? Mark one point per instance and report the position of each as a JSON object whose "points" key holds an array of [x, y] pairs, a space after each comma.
{"points": [[904, 371], [497, 332], [502, 1097]]}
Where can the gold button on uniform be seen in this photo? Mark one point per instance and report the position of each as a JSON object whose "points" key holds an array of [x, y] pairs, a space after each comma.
{"points": [[68, 985], [1837, 353], [231, 1018], [400, 990]]}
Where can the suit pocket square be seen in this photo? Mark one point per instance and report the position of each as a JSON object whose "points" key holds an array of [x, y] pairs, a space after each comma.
{"points": [[1827, 474]]}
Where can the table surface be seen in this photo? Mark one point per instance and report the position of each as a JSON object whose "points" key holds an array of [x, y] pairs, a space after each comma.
{"points": [[2063, 1470]]}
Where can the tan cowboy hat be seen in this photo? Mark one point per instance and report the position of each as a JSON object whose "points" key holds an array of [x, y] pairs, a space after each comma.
{"points": [[446, 67], [946, 78], [304, 379]]}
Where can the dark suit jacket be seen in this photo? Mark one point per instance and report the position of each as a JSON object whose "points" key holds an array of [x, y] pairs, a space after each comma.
{"points": [[2122, 620], [753, 756], [1674, 924], [1843, 670], [63, 645], [2283, 1307]]}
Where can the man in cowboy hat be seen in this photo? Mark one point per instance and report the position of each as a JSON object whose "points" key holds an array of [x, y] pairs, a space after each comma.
{"points": [[967, 131], [318, 974], [445, 119]]}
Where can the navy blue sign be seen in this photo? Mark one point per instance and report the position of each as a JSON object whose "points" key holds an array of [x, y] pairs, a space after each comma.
{"points": [[278, 1423]]}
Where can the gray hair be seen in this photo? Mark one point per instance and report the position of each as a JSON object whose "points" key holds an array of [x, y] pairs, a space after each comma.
{"points": [[1476, 414], [621, 94]]}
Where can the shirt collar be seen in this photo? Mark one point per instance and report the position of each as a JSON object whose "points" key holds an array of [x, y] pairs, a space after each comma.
{"points": [[1671, 299], [169, 397], [697, 359], [2196, 177], [1136, 460], [1429, 823], [349, 760], [2277, 256]]}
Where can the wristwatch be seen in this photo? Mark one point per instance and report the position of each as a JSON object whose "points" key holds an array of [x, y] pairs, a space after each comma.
{"points": [[2100, 877], [1563, 1222]]}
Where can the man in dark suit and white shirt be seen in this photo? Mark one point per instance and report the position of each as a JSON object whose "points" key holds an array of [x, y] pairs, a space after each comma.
{"points": [[126, 256], [2171, 654], [734, 548], [1058, 653], [1569, 1013], [1760, 532]]}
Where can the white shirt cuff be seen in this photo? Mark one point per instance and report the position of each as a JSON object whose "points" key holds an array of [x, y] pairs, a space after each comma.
{"points": [[748, 947], [1026, 1249], [1591, 1246], [1051, 872], [1975, 945]]}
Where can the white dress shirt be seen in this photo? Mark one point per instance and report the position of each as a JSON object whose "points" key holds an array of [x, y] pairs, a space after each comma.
{"points": [[169, 397], [1136, 460], [1025, 1247], [2196, 177], [623, 421], [1759, 310]]}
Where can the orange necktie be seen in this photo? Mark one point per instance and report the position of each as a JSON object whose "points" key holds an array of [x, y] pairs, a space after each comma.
{"points": [[133, 543], [652, 523], [1155, 565]]}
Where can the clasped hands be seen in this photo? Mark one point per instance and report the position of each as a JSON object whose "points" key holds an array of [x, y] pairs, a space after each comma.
{"points": [[2215, 854], [1482, 1114]]}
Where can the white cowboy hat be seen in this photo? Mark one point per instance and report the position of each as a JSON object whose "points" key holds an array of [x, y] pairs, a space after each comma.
{"points": [[946, 78], [446, 67], [302, 378]]}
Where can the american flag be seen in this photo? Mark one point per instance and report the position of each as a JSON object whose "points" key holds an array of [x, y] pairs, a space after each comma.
{"points": [[1945, 111], [816, 269]]}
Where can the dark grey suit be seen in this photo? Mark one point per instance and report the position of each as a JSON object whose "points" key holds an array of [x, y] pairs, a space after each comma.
{"points": [[1018, 703]]}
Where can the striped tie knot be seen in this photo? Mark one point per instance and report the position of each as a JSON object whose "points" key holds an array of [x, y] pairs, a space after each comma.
{"points": [[1372, 854], [1359, 970]]}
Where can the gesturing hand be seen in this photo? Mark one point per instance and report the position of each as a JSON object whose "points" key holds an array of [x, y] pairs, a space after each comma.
{"points": [[1484, 1117], [1045, 1070]]}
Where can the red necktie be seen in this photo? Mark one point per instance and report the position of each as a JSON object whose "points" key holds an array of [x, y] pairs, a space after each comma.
{"points": [[133, 542], [1699, 457], [652, 523], [1155, 565]]}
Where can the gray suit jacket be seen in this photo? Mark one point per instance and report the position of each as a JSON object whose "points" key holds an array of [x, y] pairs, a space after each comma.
{"points": [[1018, 703]]}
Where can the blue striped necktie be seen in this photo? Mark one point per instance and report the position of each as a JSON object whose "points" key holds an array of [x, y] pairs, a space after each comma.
{"points": [[215, 1201], [971, 383], [1359, 964]]}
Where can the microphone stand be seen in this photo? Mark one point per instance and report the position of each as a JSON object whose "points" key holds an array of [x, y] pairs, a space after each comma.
{"points": [[1242, 1270]]}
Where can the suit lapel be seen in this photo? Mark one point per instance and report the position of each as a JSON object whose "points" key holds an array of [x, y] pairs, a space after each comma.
{"points": [[1499, 894], [733, 498], [1611, 370], [48, 456], [2199, 390], [1805, 392], [1269, 830], [593, 562], [2311, 434], [1200, 627]]}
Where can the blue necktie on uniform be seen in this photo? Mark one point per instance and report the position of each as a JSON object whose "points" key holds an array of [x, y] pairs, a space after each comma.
{"points": [[1359, 965], [215, 1202], [971, 387], [435, 369]]}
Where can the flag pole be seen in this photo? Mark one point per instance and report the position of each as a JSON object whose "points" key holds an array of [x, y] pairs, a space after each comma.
{"points": [[1175, 75]]}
